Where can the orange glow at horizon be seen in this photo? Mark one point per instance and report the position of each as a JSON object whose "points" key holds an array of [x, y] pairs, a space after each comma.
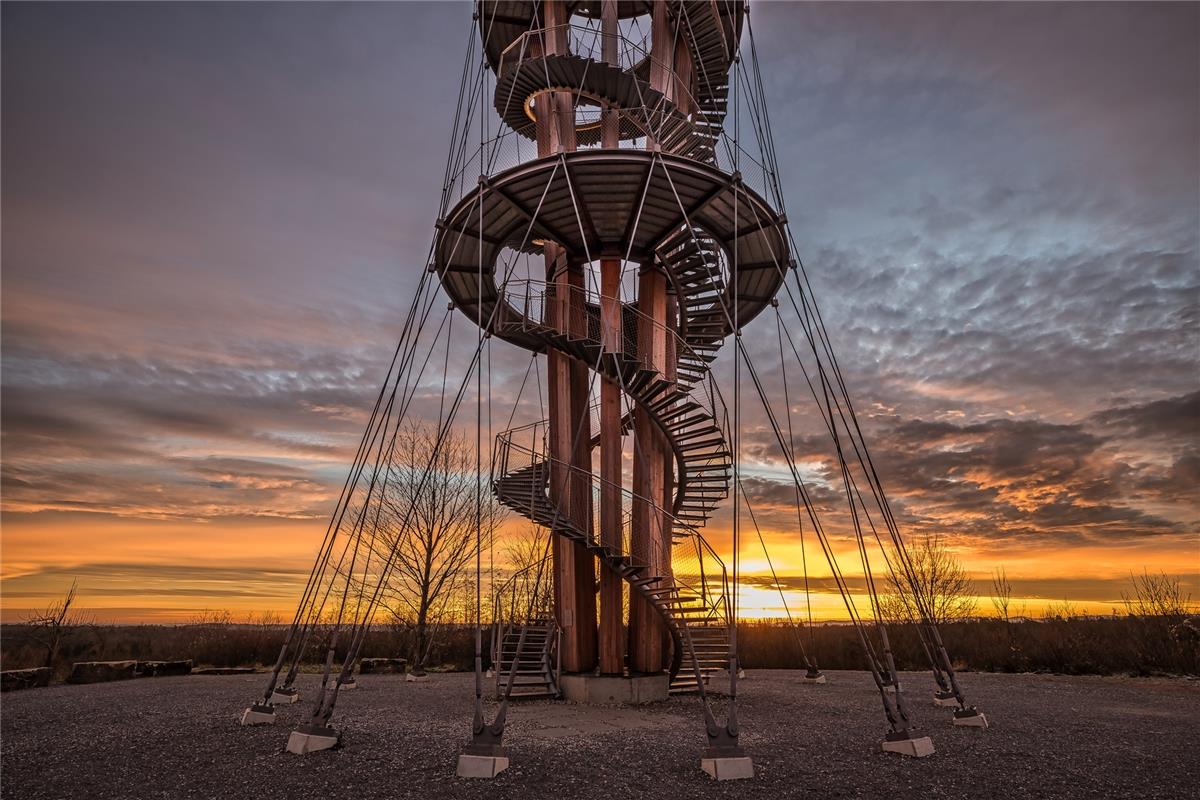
{"points": [[133, 571]]}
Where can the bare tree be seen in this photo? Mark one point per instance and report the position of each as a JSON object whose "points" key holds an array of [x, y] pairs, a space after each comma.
{"points": [[1002, 592], [47, 627], [435, 520], [527, 549], [939, 578], [1061, 611], [530, 583], [1158, 595]]}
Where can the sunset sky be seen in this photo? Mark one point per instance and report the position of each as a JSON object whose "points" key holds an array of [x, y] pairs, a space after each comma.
{"points": [[215, 215]]}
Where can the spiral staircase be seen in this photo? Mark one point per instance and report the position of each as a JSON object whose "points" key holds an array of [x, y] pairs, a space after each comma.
{"points": [[722, 247]]}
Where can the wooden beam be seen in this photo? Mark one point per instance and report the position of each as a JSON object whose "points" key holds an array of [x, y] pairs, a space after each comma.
{"points": [[612, 587]]}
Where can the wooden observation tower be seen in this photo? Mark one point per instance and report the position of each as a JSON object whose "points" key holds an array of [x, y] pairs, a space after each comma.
{"points": [[612, 207]]}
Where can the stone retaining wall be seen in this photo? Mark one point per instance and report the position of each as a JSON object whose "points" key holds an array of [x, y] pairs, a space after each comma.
{"points": [[158, 669], [102, 671], [379, 666], [13, 679]]}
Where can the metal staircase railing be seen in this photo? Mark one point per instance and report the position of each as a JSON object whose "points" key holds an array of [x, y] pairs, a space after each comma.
{"points": [[689, 409], [525, 631], [689, 592], [583, 71]]}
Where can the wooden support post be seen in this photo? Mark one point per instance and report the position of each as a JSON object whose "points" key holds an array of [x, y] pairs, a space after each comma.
{"points": [[683, 83], [581, 642], [650, 538], [670, 363], [662, 51], [612, 588], [570, 428], [610, 118]]}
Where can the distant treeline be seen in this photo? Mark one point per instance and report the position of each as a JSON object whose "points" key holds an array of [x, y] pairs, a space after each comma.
{"points": [[1073, 645]]}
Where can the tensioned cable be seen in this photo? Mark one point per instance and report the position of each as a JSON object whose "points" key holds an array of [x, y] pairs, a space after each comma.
{"points": [[772, 173], [775, 579], [787, 402], [438, 443], [369, 436], [768, 142]]}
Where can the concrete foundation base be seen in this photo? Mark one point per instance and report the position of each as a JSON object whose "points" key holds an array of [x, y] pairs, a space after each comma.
{"points": [[411, 678], [728, 769], [916, 747], [614, 690], [970, 718], [311, 738], [350, 684], [813, 679], [285, 697], [489, 674], [470, 766], [258, 715]]}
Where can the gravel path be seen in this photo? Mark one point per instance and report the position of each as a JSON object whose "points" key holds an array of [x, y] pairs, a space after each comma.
{"points": [[1051, 737]]}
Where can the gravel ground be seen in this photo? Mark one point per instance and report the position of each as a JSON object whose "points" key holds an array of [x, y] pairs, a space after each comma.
{"points": [[1051, 737]]}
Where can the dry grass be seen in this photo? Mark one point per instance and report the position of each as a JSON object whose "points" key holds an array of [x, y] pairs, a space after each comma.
{"points": [[1136, 645]]}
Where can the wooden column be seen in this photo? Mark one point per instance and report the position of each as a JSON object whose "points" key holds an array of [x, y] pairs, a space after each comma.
{"points": [[581, 640], [662, 51], [653, 475], [670, 372], [650, 538], [612, 587], [570, 428], [683, 82]]}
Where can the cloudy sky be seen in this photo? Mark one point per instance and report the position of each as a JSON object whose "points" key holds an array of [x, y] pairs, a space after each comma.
{"points": [[215, 216]]}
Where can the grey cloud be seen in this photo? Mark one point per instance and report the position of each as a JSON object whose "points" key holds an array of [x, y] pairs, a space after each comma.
{"points": [[997, 205]]}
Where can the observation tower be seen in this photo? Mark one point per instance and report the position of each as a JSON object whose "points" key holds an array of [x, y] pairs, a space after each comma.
{"points": [[612, 207]]}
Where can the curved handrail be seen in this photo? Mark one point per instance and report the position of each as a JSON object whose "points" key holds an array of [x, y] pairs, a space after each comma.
{"points": [[708, 399], [697, 436], [650, 118], [682, 531], [531, 300], [576, 46]]}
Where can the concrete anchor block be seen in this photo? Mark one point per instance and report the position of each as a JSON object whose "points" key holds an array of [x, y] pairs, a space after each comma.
{"points": [[411, 678], [970, 718], [945, 700], [472, 766], [285, 696], [819, 678], [908, 745], [312, 738], [348, 684], [259, 714], [728, 769]]}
